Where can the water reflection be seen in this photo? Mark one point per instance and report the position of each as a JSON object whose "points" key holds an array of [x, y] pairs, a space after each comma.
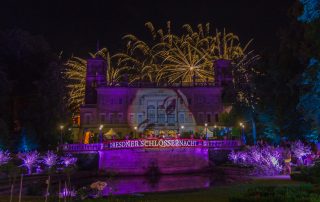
{"points": [[139, 184]]}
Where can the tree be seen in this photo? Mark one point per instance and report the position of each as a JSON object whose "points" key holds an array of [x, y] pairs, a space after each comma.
{"points": [[309, 100], [311, 11], [34, 88], [278, 86], [4, 115]]}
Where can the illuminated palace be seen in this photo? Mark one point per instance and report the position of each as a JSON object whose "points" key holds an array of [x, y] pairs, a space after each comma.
{"points": [[151, 108]]}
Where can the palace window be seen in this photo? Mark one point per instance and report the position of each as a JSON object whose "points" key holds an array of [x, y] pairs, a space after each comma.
{"points": [[200, 117], [87, 118], [161, 116], [161, 113], [200, 100], [102, 117], [141, 101], [190, 118], [216, 117], [181, 117], [131, 118], [189, 101], [208, 117], [151, 114], [101, 100], [111, 117], [181, 101], [140, 118], [120, 117], [171, 118]]}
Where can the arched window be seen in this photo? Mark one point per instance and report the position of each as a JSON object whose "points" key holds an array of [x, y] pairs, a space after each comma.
{"points": [[181, 117]]}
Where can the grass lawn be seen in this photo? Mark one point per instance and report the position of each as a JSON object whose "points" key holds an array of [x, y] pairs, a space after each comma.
{"points": [[24, 199], [214, 194]]}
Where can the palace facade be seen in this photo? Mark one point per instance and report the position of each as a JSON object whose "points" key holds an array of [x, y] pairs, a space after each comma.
{"points": [[148, 107]]}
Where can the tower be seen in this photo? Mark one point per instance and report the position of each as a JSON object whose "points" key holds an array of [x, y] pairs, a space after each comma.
{"points": [[95, 77], [223, 77], [223, 72]]}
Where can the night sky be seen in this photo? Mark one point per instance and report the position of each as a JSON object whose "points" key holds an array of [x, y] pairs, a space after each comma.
{"points": [[75, 26]]}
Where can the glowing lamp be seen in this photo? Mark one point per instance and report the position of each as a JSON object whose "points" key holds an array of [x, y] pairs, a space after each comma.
{"points": [[101, 126]]}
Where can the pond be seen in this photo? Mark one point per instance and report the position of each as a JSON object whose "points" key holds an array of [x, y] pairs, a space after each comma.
{"points": [[135, 185], [164, 183]]}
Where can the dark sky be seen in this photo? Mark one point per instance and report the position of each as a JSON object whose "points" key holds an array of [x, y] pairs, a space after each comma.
{"points": [[75, 26]]}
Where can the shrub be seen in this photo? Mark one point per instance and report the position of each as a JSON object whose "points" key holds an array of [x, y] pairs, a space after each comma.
{"points": [[265, 160], [308, 174], [293, 193], [300, 150]]}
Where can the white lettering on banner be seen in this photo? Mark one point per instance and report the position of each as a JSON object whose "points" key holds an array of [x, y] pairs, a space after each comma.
{"points": [[152, 143], [156, 143]]}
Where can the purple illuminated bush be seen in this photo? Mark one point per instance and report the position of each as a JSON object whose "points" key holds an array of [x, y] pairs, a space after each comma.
{"points": [[65, 193], [4, 157], [264, 160], [50, 159], [68, 160], [30, 160], [300, 150]]}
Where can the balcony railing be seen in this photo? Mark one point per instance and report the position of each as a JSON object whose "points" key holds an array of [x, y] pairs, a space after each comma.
{"points": [[82, 147], [160, 85], [158, 143]]}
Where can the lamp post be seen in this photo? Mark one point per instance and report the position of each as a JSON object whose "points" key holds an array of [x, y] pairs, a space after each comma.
{"points": [[61, 129], [243, 137], [182, 127], [135, 131], [100, 133], [206, 126]]}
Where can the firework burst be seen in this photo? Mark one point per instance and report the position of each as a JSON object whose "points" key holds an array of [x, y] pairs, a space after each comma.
{"points": [[75, 74], [217, 45], [184, 58], [166, 58], [76, 77], [184, 63], [138, 59]]}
